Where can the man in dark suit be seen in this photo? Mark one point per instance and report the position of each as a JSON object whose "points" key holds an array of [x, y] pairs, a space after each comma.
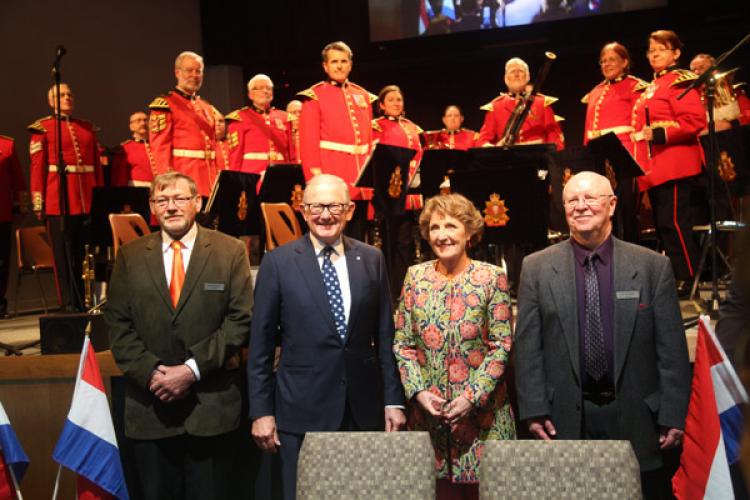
{"points": [[326, 297], [600, 347], [178, 313]]}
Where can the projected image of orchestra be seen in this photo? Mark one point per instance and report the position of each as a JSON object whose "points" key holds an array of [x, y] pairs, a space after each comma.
{"points": [[396, 19]]}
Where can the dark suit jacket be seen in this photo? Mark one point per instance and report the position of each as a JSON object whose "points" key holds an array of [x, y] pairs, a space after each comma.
{"points": [[318, 373], [651, 365], [210, 324]]}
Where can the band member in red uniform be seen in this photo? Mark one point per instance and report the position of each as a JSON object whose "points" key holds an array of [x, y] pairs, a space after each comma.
{"points": [[222, 146], [294, 110], [667, 148], [609, 108], [731, 105], [182, 134], [541, 124], [81, 156], [258, 134], [336, 129], [133, 163], [394, 129], [453, 135], [13, 194]]}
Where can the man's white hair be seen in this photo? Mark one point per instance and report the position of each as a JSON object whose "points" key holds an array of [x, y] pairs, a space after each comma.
{"points": [[516, 61], [326, 180], [183, 55], [257, 78]]}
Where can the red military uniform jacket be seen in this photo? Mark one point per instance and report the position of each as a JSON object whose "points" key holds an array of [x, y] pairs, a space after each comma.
{"points": [[257, 138], [676, 151], [222, 156], [461, 138], [404, 133], [133, 164], [182, 137], [12, 182], [294, 144], [744, 103], [609, 108], [336, 131], [81, 155], [539, 127]]}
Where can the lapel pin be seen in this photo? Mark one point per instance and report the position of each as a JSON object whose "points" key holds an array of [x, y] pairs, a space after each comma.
{"points": [[359, 258]]}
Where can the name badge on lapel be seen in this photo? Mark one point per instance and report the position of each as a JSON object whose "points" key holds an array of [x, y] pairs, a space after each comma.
{"points": [[213, 287], [627, 294]]}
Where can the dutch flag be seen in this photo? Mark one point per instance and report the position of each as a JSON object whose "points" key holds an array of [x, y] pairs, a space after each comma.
{"points": [[714, 423], [87, 445], [13, 460]]}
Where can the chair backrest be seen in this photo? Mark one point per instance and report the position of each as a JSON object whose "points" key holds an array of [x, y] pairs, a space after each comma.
{"points": [[281, 222], [532, 469], [372, 465], [34, 248], [127, 227]]}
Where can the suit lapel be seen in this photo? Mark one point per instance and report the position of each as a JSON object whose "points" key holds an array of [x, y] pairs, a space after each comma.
{"points": [[307, 264], [356, 271], [155, 264], [561, 284], [198, 258], [625, 309]]}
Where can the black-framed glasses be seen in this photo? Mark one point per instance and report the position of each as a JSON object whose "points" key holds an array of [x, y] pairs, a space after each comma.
{"points": [[333, 208], [590, 200], [179, 201]]}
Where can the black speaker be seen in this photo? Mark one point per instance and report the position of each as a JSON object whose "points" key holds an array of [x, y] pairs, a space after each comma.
{"points": [[63, 333]]}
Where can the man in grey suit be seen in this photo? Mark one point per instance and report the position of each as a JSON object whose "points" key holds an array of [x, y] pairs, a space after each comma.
{"points": [[326, 297], [178, 314], [600, 347]]}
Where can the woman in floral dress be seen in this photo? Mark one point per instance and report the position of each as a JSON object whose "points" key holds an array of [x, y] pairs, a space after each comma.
{"points": [[452, 342]]}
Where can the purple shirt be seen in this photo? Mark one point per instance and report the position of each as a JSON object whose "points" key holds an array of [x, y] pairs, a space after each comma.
{"points": [[605, 272]]}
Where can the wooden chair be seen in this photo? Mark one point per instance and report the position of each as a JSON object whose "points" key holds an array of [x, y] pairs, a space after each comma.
{"points": [[126, 228], [34, 256], [281, 223]]}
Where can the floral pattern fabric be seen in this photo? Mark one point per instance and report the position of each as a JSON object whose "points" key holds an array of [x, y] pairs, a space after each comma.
{"points": [[453, 337]]}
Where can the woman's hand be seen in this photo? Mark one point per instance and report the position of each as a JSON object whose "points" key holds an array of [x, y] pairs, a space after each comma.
{"points": [[431, 403], [647, 133], [457, 409]]}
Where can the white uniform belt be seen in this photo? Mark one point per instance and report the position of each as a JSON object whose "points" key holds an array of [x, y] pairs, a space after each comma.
{"points": [[193, 153], [273, 155], [532, 141], [352, 149], [620, 129], [74, 169]]}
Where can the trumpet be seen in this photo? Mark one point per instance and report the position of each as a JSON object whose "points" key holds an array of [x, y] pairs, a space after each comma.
{"points": [[88, 277]]}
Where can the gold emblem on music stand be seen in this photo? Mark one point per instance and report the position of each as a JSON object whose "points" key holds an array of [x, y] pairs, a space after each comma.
{"points": [[394, 187], [296, 199], [495, 212], [126, 209], [242, 206], [727, 171], [609, 171]]}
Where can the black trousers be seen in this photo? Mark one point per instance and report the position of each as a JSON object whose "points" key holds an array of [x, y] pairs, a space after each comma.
{"points": [[5, 240], [190, 467], [397, 232], [78, 233], [673, 218], [357, 227]]}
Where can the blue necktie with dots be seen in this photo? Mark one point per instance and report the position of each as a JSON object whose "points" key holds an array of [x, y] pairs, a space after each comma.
{"points": [[333, 290]]}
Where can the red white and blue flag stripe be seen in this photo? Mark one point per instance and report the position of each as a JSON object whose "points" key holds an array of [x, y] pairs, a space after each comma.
{"points": [[714, 423], [13, 460], [87, 445]]}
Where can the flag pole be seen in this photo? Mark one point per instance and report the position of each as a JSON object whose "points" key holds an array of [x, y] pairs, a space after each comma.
{"points": [[57, 482], [16, 487]]}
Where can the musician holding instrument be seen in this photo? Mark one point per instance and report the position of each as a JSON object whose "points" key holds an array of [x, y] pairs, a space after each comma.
{"points": [[667, 149], [731, 105], [609, 107], [540, 124], [453, 135]]}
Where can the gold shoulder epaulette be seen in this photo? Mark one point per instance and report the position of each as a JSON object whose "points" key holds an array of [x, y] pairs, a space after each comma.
{"points": [[419, 129], [126, 141], [683, 76], [641, 85], [585, 99], [376, 125], [559, 118], [372, 97], [309, 92], [488, 106], [159, 103], [739, 85], [235, 115], [549, 100], [37, 126]]}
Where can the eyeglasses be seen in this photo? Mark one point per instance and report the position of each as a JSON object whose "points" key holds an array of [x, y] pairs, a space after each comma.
{"points": [[609, 60], [590, 200], [179, 201], [333, 208], [654, 51], [262, 87]]}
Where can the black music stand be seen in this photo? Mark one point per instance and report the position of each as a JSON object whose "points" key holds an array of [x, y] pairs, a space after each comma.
{"points": [[234, 203], [115, 200], [387, 164], [734, 158], [436, 164], [283, 183]]}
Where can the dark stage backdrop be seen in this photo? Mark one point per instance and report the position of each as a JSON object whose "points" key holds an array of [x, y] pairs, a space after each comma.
{"points": [[283, 39]]}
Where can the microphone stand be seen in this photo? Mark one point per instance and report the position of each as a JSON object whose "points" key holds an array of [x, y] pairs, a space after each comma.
{"points": [[707, 79], [62, 176]]}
